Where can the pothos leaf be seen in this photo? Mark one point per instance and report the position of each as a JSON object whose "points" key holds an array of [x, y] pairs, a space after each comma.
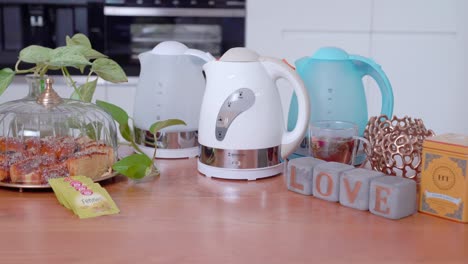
{"points": [[135, 166], [165, 123], [126, 132], [116, 112], [85, 91], [92, 54], [88, 53], [120, 116], [109, 70], [6, 77], [35, 54], [68, 56], [78, 39], [93, 130]]}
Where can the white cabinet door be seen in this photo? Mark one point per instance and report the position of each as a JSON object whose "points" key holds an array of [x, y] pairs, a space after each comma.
{"points": [[422, 46], [293, 29]]}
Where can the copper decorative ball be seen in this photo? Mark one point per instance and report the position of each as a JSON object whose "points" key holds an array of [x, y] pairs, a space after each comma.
{"points": [[396, 145]]}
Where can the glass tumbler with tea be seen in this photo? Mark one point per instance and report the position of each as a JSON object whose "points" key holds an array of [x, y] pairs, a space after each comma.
{"points": [[332, 140]]}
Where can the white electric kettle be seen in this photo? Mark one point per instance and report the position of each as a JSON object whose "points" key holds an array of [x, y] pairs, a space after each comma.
{"points": [[242, 130], [171, 85]]}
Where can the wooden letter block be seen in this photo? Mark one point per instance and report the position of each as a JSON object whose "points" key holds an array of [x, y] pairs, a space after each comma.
{"points": [[354, 187], [392, 197], [327, 180], [299, 174]]}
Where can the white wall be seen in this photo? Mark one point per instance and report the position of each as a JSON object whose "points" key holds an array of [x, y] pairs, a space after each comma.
{"points": [[420, 44]]}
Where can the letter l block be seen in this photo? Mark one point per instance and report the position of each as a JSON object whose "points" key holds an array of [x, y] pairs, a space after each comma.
{"points": [[299, 174]]}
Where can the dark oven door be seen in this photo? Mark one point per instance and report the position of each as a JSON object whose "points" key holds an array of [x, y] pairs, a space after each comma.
{"points": [[131, 30]]}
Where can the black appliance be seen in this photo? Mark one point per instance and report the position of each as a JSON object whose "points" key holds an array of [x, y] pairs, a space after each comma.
{"points": [[135, 26], [46, 23], [121, 29]]}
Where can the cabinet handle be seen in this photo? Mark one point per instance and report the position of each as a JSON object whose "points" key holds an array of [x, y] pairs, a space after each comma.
{"points": [[172, 12]]}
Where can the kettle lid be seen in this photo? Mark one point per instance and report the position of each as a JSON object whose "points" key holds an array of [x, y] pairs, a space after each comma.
{"points": [[330, 53], [240, 55], [169, 48]]}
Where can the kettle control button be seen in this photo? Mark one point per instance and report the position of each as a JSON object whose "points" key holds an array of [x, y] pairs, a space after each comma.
{"points": [[235, 104], [222, 122], [220, 133], [236, 163]]}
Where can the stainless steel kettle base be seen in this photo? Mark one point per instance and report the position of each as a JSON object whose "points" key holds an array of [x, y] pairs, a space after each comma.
{"points": [[167, 140], [240, 174]]}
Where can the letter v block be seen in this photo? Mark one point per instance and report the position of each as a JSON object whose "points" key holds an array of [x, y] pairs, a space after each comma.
{"points": [[354, 187], [392, 197], [327, 180], [299, 174]]}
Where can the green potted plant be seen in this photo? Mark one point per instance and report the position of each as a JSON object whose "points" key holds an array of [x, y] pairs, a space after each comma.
{"points": [[137, 165], [79, 54]]}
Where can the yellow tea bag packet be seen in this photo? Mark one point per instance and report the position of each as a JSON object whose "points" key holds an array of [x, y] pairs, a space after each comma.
{"points": [[89, 199], [59, 184], [86, 198]]}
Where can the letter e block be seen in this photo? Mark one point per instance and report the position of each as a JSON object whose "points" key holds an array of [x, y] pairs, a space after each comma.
{"points": [[299, 174], [327, 180], [354, 187], [392, 197]]}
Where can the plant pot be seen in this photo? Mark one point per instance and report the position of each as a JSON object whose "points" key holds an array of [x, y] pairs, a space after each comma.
{"points": [[36, 85]]}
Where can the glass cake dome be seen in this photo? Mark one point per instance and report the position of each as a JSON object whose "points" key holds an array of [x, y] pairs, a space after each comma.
{"points": [[49, 137]]}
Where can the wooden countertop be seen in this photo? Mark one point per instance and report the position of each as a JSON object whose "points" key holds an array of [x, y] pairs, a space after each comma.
{"points": [[184, 217]]}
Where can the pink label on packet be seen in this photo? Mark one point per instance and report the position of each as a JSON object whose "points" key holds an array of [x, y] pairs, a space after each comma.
{"points": [[81, 188], [75, 183], [86, 192]]}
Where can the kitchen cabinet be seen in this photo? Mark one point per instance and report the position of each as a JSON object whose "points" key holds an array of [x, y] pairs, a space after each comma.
{"points": [[300, 27], [122, 94], [420, 44]]}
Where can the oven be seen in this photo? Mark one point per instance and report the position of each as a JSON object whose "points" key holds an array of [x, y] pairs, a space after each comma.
{"points": [[45, 23], [135, 26]]}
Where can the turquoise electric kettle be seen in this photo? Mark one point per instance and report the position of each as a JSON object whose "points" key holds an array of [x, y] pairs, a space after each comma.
{"points": [[333, 79]]}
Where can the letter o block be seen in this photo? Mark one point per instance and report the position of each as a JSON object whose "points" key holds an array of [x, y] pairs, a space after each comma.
{"points": [[354, 187], [299, 174], [327, 180], [392, 197]]}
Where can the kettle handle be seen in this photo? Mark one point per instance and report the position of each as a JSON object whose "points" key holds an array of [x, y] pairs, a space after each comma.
{"points": [[369, 67], [277, 70], [206, 56]]}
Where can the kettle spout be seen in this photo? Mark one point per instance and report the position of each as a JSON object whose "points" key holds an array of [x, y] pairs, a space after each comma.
{"points": [[145, 58], [300, 63]]}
